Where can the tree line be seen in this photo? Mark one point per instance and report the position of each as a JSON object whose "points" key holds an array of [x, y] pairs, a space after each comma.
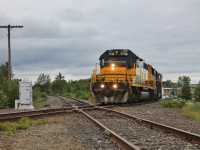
{"points": [[79, 89], [9, 89]]}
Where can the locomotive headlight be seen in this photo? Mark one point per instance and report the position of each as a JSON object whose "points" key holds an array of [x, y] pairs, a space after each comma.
{"points": [[102, 86], [114, 86], [113, 66]]}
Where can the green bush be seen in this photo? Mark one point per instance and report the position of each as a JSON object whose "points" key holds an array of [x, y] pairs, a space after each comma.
{"points": [[10, 89], [197, 93], [38, 94], [3, 99], [173, 103]]}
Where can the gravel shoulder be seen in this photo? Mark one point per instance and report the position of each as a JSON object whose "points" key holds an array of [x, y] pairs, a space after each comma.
{"points": [[67, 132], [155, 112], [54, 102]]}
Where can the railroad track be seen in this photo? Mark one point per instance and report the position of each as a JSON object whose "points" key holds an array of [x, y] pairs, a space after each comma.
{"points": [[15, 116], [69, 101], [141, 132], [101, 117], [164, 130], [66, 108], [113, 136]]}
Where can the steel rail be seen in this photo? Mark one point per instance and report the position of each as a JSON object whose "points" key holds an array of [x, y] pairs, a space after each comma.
{"points": [[185, 135], [78, 100], [15, 116], [35, 116], [115, 138], [90, 105], [34, 111]]}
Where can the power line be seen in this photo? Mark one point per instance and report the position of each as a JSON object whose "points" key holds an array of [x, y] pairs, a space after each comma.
{"points": [[9, 27]]}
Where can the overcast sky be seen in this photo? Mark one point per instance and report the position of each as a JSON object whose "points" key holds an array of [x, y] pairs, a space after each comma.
{"points": [[68, 36]]}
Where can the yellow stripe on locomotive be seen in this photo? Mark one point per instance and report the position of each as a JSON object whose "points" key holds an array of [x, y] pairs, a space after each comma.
{"points": [[124, 77]]}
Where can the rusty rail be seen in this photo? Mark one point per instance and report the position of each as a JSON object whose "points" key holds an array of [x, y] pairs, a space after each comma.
{"points": [[185, 135], [115, 138]]}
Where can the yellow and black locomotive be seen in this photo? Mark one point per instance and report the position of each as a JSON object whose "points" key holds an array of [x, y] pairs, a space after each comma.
{"points": [[121, 76]]}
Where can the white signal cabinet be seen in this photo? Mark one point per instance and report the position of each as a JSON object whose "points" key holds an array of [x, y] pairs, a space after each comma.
{"points": [[25, 95]]}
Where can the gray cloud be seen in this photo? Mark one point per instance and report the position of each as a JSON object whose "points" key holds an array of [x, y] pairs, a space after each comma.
{"points": [[69, 36]]}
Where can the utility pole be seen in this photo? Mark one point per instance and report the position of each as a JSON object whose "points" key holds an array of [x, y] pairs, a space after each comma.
{"points": [[9, 27]]}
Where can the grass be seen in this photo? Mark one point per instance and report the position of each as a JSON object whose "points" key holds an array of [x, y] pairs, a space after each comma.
{"points": [[23, 124], [191, 111], [40, 103], [188, 109]]}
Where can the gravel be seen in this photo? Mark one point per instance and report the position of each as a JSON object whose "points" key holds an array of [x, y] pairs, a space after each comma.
{"points": [[61, 133], [155, 112], [53, 101], [74, 132], [139, 135]]}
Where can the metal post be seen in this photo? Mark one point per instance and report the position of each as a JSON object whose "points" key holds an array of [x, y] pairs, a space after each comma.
{"points": [[9, 27], [9, 55]]}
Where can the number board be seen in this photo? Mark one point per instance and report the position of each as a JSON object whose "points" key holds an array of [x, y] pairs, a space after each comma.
{"points": [[118, 53]]}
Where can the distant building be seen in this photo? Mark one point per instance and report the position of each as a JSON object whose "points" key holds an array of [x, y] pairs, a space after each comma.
{"points": [[174, 92], [170, 93]]}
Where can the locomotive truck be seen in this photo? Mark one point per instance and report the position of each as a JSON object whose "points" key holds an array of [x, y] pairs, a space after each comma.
{"points": [[122, 76]]}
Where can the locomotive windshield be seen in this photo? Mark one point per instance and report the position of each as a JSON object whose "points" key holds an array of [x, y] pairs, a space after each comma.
{"points": [[116, 63]]}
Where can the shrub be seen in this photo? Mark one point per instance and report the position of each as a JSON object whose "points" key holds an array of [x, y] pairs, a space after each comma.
{"points": [[38, 94], [173, 103], [197, 93], [3, 99]]}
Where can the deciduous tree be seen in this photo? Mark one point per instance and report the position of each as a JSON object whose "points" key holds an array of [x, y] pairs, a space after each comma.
{"points": [[184, 82], [44, 82], [197, 92]]}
